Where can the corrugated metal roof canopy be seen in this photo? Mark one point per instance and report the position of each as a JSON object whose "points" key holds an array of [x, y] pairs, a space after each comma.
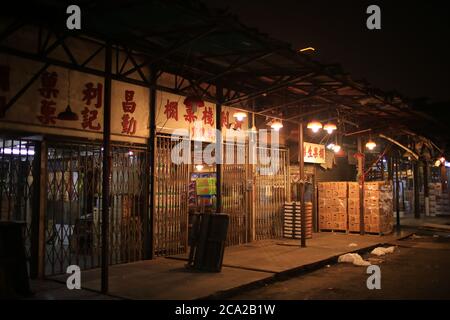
{"points": [[213, 46]]}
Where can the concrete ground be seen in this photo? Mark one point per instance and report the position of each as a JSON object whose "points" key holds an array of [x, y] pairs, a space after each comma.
{"points": [[54, 290], [418, 269], [244, 267]]}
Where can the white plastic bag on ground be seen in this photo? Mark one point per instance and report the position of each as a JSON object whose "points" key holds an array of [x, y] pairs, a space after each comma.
{"points": [[353, 244], [354, 258], [381, 251]]}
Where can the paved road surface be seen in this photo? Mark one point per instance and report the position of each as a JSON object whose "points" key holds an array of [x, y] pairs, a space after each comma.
{"points": [[419, 269]]}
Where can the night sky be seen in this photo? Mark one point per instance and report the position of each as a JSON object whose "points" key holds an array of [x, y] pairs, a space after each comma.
{"points": [[410, 54]]}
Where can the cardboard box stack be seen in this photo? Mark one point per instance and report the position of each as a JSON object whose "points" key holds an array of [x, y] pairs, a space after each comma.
{"points": [[353, 207], [292, 220], [333, 206], [439, 201], [378, 211]]}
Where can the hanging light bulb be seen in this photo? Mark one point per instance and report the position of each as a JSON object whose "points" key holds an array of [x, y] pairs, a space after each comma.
{"points": [[315, 126], [276, 125], [336, 148], [329, 127], [371, 144], [330, 146], [199, 167], [442, 159], [240, 115]]}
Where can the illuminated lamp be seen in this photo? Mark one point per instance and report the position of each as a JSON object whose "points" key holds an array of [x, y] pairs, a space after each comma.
{"points": [[330, 146], [240, 115], [199, 167], [370, 144], [336, 148], [276, 125], [329, 127], [442, 160], [315, 126]]}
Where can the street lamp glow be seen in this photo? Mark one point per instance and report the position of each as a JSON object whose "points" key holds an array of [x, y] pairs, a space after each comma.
{"points": [[329, 127], [307, 49], [336, 148], [315, 126], [276, 125], [371, 145], [240, 115]]}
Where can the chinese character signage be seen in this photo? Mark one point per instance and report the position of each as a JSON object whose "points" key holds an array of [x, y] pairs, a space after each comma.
{"points": [[71, 103], [196, 116], [313, 153]]}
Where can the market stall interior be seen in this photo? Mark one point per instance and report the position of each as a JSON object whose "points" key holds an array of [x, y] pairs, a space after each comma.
{"points": [[96, 111]]}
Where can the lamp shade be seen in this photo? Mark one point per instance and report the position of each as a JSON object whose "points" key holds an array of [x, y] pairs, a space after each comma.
{"points": [[315, 126], [329, 127], [240, 115], [68, 115], [276, 125], [194, 102], [371, 145]]}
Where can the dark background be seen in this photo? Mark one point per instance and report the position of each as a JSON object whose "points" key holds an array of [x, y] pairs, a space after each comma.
{"points": [[410, 54]]}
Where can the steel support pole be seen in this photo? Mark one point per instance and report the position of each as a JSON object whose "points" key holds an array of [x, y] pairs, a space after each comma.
{"points": [[426, 189], [361, 186], [397, 191], [42, 208], [36, 200], [416, 190], [106, 169], [219, 157], [301, 162], [151, 149]]}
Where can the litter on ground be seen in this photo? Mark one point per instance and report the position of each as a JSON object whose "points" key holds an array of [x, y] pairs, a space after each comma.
{"points": [[354, 258], [353, 244], [381, 251]]}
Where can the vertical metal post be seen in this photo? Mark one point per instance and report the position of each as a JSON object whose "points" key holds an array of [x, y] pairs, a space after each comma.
{"points": [[416, 190], [42, 209], [361, 186], [443, 169], [150, 169], [302, 185], [315, 206], [397, 191], [106, 168], [426, 189], [219, 99], [36, 199]]}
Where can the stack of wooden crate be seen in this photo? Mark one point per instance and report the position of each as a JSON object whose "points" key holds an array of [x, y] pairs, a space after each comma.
{"points": [[292, 220], [353, 207], [333, 206], [378, 212]]}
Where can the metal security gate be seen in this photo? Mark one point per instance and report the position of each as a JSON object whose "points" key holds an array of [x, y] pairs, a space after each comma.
{"points": [[171, 200], [73, 205], [271, 191], [234, 192], [18, 179]]}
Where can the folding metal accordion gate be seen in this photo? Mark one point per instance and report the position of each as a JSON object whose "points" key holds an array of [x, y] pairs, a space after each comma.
{"points": [[70, 205], [235, 193], [73, 205], [271, 191], [171, 201], [72, 173]]}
